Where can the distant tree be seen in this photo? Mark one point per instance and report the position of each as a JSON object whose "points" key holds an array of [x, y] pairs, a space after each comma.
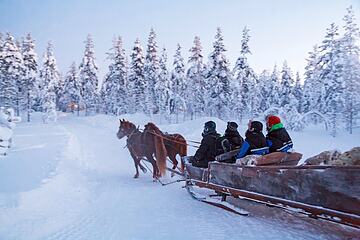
{"points": [[178, 84], [151, 73], [218, 79], [351, 69], [162, 87], [116, 100], [30, 72], [12, 71], [196, 83], [137, 82], [274, 88], [287, 82], [50, 76], [297, 92], [88, 77], [72, 87], [331, 73], [312, 83]]}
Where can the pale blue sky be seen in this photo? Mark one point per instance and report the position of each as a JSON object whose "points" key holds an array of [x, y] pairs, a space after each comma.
{"points": [[280, 29]]}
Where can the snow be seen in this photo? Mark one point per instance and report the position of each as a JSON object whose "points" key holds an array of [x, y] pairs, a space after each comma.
{"points": [[73, 180]]}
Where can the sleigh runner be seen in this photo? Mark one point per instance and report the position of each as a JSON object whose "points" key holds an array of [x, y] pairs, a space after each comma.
{"points": [[327, 192]]}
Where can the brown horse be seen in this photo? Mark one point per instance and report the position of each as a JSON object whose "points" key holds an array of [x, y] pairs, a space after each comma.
{"points": [[142, 145], [174, 143]]}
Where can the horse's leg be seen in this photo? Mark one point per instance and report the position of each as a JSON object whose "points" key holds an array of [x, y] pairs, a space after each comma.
{"points": [[156, 172], [143, 169], [136, 162], [172, 157]]}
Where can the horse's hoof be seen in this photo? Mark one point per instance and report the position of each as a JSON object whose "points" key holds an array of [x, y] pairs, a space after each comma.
{"points": [[172, 174], [136, 176]]}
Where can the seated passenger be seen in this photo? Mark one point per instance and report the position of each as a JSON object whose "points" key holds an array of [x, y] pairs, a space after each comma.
{"points": [[233, 137], [277, 138], [207, 150], [255, 142]]}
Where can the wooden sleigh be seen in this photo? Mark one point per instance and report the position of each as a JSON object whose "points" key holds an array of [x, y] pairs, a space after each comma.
{"points": [[326, 192]]}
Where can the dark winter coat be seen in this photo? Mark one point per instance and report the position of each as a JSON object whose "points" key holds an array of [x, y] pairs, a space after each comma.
{"points": [[278, 139], [234, 139], [207, 150], [255, 143]]}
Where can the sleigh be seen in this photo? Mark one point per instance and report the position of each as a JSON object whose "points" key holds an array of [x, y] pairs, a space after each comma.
{"points": [[326, 192]]}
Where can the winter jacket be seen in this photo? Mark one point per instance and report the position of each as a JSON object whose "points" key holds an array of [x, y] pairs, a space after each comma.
{"points": [[255, 143], [234, 139], [207, 150], [278, 139]]}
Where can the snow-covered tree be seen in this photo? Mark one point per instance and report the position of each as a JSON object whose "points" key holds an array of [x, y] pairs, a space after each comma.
{"points": [[30, 72], [137, 83], [162, 87], [12, 72], [195, 77], [287, 82], [88, 71], [151, 73], [115, 86], [50, 76], [297, 92], [331, 73], [264, 86], [244, 81], [312, 83], [71, 94], [178, 84], [351, 69], [218, 78], [274, 89]]}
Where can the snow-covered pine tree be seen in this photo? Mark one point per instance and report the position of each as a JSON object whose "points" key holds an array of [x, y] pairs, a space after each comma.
{"points": [[274, 89], [178, 85], [312, 84], [116, 98], [264, 80], [218, 79], [195, 77], [12, 71], [162, 87], [50, 76], [287, 82], [30, 72], [1, 69], [88, 78], [297, 91], [137, 83], [71, 94], [245, 80], [151, 73], [351, 70], [331, 73]]}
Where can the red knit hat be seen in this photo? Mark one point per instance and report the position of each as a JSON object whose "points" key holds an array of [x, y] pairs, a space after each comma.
{"points": [[272, 120]]}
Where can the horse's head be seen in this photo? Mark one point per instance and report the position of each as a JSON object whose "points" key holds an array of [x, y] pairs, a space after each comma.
{"points": [[125, 129]]}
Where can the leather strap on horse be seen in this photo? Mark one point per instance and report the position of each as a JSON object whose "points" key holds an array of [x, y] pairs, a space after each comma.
{"points": [[171, 140]]}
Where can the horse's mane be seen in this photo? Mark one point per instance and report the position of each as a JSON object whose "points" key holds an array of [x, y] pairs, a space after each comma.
{"points": [[160, 152], [152, 126]]}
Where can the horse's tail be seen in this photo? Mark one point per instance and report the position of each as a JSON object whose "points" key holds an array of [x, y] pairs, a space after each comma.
{"points": [[183, 152], [160, 153]]}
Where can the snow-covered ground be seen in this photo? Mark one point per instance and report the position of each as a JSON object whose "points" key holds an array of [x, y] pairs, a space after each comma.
{"points": [[73, 180]]}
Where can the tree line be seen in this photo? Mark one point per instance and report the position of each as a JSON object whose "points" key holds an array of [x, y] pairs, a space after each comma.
{"points": [[143, 82]]}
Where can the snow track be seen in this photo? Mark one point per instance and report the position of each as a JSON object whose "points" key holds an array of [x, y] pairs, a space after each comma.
{"points": [[89, 193]]}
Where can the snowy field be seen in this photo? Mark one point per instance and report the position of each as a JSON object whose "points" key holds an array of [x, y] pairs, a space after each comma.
{"points": [[74, 180]]}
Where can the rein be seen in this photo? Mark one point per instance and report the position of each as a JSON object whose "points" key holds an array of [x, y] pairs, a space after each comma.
{"points": [[171, 140]]}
